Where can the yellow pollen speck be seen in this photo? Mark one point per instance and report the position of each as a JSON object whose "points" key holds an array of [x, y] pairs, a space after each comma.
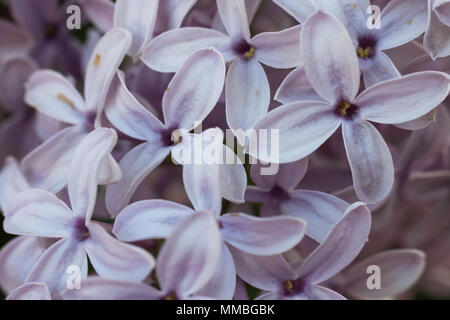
{"points": [[364, 53], [97, 60], [250, 53], [288, 285], [257, 92], [410, 22], [343, 107], [171, 297], [167, 89], [355, 6], [63, 98]]}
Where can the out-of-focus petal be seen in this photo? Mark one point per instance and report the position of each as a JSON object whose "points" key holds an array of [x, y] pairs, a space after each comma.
{"points": [[14, 41], [12, 181], [31, 291], [38, 213], [330, 58], [261, 236], [149, 219], [342, 245], [100, 13], [116, 260], [370, 161], [194, 90]]}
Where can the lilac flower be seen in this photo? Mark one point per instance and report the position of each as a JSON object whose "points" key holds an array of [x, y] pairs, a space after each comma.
{"points": [[31, 291], [437, 36], [189, 98], [320, 210], [247, 88], [304, 126], [55, 96], [401, 22], [151, 219], [284, 281], [187, 261], [15, 41], [41, 214]]}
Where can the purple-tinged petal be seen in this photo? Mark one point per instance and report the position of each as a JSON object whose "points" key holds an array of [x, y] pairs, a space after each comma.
{"points": [[189, 258], [262, 272], [232, 177], [300, 10], [404, 99], [12, 181], [420, 123], [247, 95], [38, 213], [47, 166], [381, 69], [234, 18], [442, 9], [296, 88], [401, 22], [400, 269], [52, 94], [171, 13], [128, 115], [279, 49], [301, 127], [116, 260], [17, 258], [13, 74], [261, 236], [139, 18], [342, 245], [195, 90], [53, 266], [35, 15], [135, 166], [85, 168], [370, 161], [103, 65], [437, 36], [14, 41], [255, 194], [100, 13], [330, 58], [276, 295], [319, 293], [321, 211], [223, 283], [96, 288], [149, 219], [31, 291], [170, 50]]}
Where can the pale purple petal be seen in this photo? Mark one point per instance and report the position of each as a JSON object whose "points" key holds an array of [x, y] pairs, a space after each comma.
{"points": [[234, 18], [300, 10], [247, 94], [52, 266], [139, 18], [295, 88], [342, 245], [330, 58], [149, 219], [399, 270], [189, 258], [170, 50], [320, 293], [116, 260], [442, 9], [382, 69], [302, 127], [172, 13], [232, 177], [279, 49], [402, 21], [17, 258], [14, 41], [370, 161], [261, 236], [135, 166], [321, 211], [100, 13], [191, 95], [405, 98], [85, 168], [38, 213], [52, 94], [437, 37], [12, 181], [31, 291]]}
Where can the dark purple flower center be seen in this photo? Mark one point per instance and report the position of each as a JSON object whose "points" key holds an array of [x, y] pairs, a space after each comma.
{"points": [[51, 31], [278, 195], [171, 137], [81, 232], [346, 110], [244, 49], [366, 47], [293, 287]]}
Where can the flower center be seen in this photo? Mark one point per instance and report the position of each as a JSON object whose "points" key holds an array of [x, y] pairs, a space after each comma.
{"points": [[170, 297], [288, 285], [346, 109], [81, 232], [244, 49], [366, 47], [176, 137]]}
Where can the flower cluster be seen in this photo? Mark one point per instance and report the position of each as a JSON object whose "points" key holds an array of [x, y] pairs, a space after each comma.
{"points": [[113, 190]]}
